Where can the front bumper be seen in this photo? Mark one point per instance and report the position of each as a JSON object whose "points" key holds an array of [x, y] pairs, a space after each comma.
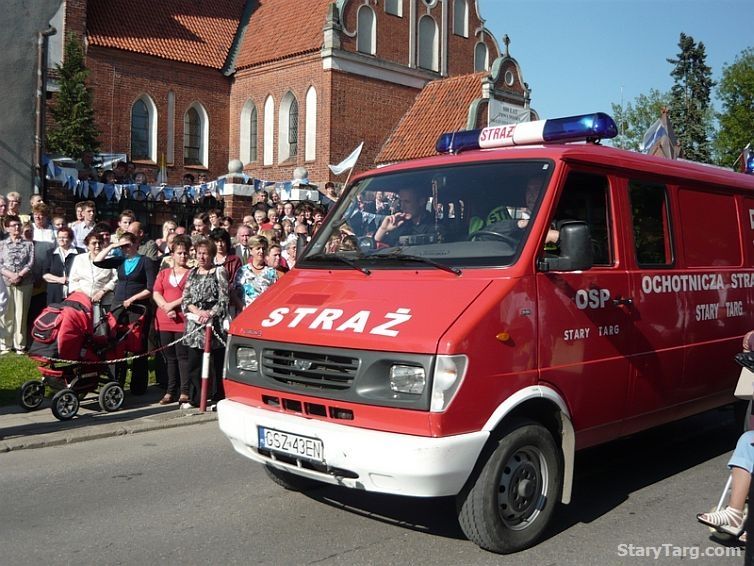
{"points": [[358, 458]]}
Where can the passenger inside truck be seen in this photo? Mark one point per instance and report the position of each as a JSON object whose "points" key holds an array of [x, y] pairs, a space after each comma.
{"points": [[585, 198], [468, 215]]}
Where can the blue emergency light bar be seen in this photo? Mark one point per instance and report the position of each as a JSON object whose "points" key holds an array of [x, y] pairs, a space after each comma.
{"points": [[587, 127], [749, 169]]}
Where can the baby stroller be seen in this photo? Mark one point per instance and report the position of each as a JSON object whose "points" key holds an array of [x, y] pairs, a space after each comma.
{"points": [[73, 354]]}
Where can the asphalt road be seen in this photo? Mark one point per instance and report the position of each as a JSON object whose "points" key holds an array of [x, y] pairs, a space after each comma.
{"points": [[183, 496]]}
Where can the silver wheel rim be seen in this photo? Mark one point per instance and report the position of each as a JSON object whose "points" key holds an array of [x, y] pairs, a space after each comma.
{"points": [[67, 404], [523, 483], [33, 395], [113, 397]]}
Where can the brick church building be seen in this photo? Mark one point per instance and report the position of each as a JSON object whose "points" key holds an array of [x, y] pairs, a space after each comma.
{"points": [[275, 83]]}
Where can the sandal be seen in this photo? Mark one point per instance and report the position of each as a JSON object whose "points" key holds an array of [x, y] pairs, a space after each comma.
{"points": [[729, 520], [183, 399], [167, 399]]}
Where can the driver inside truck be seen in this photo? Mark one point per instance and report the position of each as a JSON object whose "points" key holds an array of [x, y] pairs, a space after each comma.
{"points": [[412, 219], [511, 221]]}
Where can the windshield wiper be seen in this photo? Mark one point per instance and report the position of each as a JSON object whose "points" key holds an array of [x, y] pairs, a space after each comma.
{"points": [[326, 257], [398, 254]]}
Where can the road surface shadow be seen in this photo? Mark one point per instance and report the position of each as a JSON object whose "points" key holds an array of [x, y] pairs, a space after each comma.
{"points": [[42, 421], [605, 477]]}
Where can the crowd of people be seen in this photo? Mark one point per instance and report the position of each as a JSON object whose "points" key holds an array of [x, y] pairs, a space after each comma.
{"points": [[188, 276]]}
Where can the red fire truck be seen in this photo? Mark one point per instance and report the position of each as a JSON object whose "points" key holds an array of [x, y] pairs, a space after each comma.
{"points": [[521, 299]]}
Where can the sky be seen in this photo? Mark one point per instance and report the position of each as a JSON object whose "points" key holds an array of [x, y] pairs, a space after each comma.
{"points": [[581, 56]]}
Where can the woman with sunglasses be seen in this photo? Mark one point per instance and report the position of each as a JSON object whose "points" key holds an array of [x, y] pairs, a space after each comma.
{"points": [[136, 275]]}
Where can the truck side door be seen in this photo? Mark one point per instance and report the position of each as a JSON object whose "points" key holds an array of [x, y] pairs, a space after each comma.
{"points": [[657, 369], [585, 329]]}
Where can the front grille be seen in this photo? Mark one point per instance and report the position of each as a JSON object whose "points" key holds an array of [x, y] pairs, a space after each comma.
{"points": [[309, 369]]}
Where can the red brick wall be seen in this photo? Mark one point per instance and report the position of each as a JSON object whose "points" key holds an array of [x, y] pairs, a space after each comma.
{"points": [[461, 52], [118, 78], [393, 34], [365, 110], [275, 80], [351, 109], [75, 17]]}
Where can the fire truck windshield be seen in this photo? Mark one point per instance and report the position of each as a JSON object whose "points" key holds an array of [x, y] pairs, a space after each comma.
{"points": [[470, 215]]}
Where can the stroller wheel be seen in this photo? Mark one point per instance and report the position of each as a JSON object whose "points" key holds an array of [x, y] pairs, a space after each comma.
{"points": [[111, 397], [65, 404], [32, 394]]}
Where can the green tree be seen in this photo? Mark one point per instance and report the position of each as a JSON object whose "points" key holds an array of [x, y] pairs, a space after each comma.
{"points": [[634, 119], [690, 110], [73, 131], [736, 121]]}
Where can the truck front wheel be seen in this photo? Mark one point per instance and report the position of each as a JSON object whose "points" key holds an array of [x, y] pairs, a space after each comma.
{"points": [[509, 503]]}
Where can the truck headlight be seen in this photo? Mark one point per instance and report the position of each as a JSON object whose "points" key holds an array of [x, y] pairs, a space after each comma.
{"points": [[246, 359], [407, 379], [449, 373]]}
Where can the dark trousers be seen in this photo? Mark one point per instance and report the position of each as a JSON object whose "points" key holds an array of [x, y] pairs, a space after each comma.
{"points": [[215, 390], [139, 366], [175, 360]]}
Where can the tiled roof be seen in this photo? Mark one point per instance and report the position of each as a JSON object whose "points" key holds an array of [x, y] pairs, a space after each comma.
{"points": [[281, 28], [199, 32], [442, 106]]}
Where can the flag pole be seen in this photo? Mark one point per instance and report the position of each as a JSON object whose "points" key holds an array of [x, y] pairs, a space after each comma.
{"points": [[348, 177], [346, 163]]}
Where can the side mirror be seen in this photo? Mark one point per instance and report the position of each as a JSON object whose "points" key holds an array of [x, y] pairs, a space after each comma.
{"points": [[576, 252]]}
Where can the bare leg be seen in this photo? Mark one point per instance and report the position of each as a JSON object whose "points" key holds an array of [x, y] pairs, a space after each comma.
{"points": [[739, 487], [731, 519]]}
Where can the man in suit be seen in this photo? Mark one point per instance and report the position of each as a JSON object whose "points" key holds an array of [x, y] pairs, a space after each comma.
{"points": [[242, 243]]}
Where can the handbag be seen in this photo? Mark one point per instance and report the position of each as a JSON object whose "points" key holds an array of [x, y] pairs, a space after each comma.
{"points": [[745, 385]]}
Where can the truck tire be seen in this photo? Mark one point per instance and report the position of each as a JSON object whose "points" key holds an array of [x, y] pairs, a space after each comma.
{"points": [[290, 481], [509, 503]]}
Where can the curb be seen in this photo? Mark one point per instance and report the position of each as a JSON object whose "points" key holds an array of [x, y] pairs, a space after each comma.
{"points": [[103, 431]]}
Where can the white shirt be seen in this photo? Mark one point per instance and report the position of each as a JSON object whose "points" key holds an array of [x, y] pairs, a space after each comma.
{"points": [[80, 232], [43, 235], [87, 277]]}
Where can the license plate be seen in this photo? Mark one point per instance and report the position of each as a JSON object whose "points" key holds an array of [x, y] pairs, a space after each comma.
{"points": [[292, 444]]}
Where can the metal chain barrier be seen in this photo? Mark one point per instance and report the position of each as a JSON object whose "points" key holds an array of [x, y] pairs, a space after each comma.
{"points": [[128, 358], [219, 338]]}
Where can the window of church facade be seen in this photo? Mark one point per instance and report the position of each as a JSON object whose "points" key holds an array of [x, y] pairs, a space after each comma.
{"points": [[269, 130], [310, 148], [428, 44], [366, 31], [249, 132], [195, 136], [394, 7], [481, 57], [288, 127], [144, 129], [461, 18]]}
